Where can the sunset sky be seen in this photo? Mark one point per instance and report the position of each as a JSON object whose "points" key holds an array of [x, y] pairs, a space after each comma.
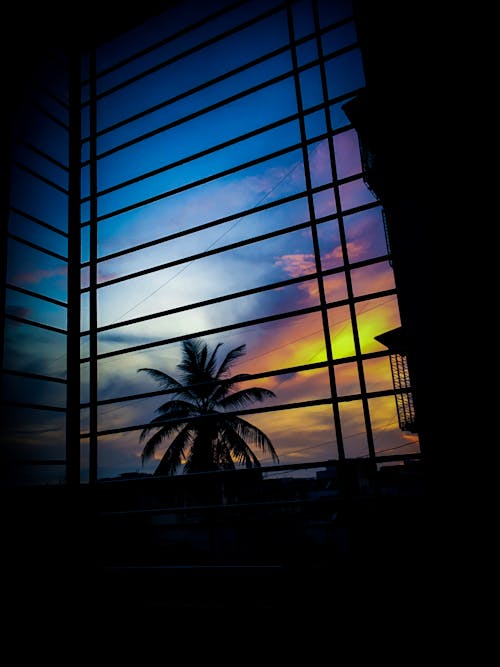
{"points": [[298, 435]]}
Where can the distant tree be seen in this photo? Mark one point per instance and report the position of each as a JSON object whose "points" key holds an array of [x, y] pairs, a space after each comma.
{"points": [[203, 435]]}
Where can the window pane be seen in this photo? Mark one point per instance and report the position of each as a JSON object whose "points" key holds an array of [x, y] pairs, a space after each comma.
{"points": [[353, 429], [374, 317]]}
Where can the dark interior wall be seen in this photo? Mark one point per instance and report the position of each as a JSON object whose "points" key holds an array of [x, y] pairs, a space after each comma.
{"points": [[400, 67]]}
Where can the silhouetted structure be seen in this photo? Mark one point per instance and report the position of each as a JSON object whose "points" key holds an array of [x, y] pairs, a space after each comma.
{"points": [[394, 121]]}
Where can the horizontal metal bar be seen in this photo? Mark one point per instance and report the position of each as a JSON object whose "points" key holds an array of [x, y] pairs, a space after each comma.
{"points": [[45, 180], [32, 323], [40, 248], [34, 376], [32, 406], [36, 295], [43, 154], [35, 462], [50, 115], [32, 218]]}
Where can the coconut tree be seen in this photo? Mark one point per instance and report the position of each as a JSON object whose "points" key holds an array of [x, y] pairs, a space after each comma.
{"points": [[197, 417]]}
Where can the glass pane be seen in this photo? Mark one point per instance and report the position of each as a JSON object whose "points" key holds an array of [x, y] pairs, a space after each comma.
{"points": [[213, 276], [338, 38], [34, 309], [341, 332], [36, 271], [347, 156], [44, 202], [355, 193], [347, 379], [315, 124], [40, 164], [274, 345], [373, 278], [388, 437], [195, 69], [320, 164], [264, 182], [310, 87], [378, 376], [28, 348], [32, 434], [353, 429], [365, 235], [303, 19], [335, 287], [374, 317], [190, 322], [31, 231], [344, 73], [333, 11], [185, 213], [329, 242], [40, 392], [201, 168], [324, 203]]}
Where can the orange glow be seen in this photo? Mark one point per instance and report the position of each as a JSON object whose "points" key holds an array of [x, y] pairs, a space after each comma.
{"points": [[376, 317]]}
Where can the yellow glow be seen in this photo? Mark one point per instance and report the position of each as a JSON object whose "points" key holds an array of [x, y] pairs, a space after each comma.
{"points": [[379, 317]]}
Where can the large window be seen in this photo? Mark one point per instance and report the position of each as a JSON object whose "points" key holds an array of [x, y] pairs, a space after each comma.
{"points": [[221, 199]]}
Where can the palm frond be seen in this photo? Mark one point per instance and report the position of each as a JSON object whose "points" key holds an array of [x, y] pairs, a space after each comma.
{"points": [[154, 441], [164, 380], [175, 452], [210, 367], [191, 350], [225, 386], [239, 449], [253, 435], [178, 408], [245, 396], [229, 359]]}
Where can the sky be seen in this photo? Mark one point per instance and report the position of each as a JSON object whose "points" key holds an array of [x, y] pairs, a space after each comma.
{"points": [[194, 200]]}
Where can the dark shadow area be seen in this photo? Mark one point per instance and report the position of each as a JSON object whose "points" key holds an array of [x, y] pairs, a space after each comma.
{"points": [[355, 542]]}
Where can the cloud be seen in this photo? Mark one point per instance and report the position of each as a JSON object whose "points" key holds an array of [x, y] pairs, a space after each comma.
{"points": [[20, 311], [296, 264], [36, 276]]}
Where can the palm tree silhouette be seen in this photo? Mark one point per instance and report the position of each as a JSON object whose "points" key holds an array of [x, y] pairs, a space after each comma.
{"points": [[205, 437]]}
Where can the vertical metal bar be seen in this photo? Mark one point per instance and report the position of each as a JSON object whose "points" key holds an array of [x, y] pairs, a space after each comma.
{"points": [[4, 228], [314, 233], [74, 260], [93, 270], [343, 240]]}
